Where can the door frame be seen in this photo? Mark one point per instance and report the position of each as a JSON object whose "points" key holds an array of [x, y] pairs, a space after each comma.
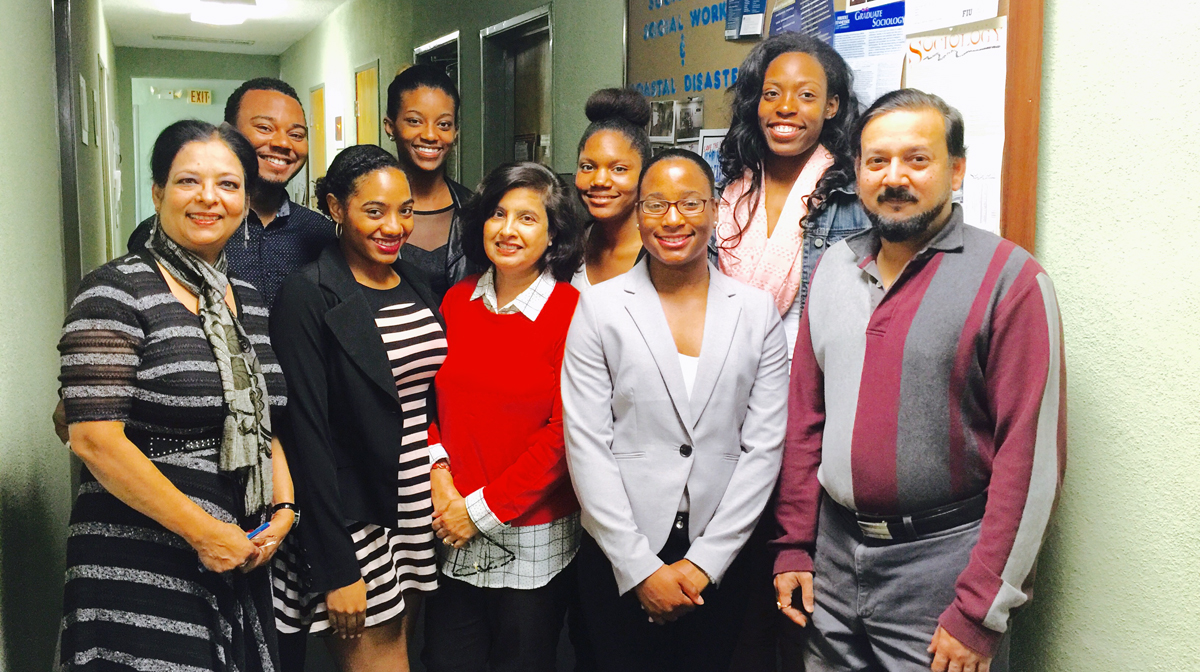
{"points": [[378, 139], [434, 45], [487, 38]]}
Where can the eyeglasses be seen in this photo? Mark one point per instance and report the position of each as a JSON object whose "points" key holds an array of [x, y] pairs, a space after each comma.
{"points": [[481, 555], [687, 207]]}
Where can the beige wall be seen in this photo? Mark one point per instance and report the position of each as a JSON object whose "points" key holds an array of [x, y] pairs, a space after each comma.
{"points": [[91, 48], [1119, 232], [35, 484]]}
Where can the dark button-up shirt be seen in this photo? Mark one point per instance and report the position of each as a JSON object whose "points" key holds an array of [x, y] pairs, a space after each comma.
{"points": [[264, 255]]}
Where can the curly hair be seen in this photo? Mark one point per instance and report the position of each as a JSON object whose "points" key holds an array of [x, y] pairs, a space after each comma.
{"points": [[745, 148], [348, 167], [563, 210]]}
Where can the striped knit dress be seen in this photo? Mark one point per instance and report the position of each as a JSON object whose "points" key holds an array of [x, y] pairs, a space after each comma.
{"points": [[136, 595], [392, 559]]}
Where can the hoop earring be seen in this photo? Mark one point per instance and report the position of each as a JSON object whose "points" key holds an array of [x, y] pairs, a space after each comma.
{"points": [[337, 229]]}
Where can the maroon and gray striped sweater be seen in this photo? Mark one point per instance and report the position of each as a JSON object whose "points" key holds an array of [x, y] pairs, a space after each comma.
{"points": [[950, 383]]}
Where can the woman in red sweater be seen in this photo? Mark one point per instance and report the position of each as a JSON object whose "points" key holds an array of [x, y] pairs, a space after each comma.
{"points": [[503, 503]]}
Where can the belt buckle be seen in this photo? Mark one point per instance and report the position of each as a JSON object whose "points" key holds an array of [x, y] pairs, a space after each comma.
{"points": [[874, 529]]}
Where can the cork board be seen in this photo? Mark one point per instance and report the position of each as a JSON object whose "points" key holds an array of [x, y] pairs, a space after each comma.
{"points": [[677, 50]]}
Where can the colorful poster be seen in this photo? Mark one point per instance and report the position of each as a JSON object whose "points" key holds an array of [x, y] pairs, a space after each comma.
{"points": [[710, 149], [872, 42], [968, 71]]}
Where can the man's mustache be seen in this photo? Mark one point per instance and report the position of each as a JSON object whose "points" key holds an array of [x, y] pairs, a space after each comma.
{"points": [[900, 194]]}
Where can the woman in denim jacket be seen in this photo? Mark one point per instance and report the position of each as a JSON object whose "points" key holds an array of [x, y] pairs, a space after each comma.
{"points": [[790, 165], [790, 195]]}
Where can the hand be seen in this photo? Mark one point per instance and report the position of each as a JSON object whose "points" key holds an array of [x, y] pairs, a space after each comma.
{"points": [[444, 492], [454, 525], [694, 574], [667, 594], [785, 586], [59, 416], [347, 607], [224, 546], [950, 655], [268, 540]]}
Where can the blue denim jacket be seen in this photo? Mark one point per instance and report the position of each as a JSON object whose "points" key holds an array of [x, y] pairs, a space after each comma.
{"points": [[842, 217]]}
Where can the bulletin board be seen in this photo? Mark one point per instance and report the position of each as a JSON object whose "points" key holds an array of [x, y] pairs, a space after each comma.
{"points": [[678, 55]]}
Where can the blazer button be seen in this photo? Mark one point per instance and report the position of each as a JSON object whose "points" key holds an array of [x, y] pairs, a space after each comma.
{"points": [[685, 450]]}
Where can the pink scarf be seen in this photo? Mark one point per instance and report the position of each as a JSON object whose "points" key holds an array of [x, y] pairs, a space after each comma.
{"points": [[775, 263]]}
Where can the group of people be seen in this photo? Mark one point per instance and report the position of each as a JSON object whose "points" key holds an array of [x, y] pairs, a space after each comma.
{"points": [[809, 415]]}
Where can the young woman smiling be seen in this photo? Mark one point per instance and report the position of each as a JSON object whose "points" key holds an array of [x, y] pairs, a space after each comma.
{"points": [[789, 157], [362, 342], [611, 154], [422, 119], [503, 505], [674, 394]]}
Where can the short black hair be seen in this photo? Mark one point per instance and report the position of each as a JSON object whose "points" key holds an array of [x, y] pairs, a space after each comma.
{"points": [[913, 100], [625, 111], [687, 155], [350, 165], [415, 77], [174, 137], [563, 212], [234, 104]]}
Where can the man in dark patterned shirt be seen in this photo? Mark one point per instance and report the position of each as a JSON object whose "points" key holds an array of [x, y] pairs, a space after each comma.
{"points": [[279, 235], [926, 420]]}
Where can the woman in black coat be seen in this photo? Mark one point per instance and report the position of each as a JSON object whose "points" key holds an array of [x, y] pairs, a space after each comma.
{"points": [[363, 341]]}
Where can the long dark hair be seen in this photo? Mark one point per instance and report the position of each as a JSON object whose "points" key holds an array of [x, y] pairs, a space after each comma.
{"points": [[745, 148], [563, 212]]}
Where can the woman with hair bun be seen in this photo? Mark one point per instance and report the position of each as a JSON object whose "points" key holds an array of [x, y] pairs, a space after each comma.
{"points": [[790, 165], [612, 152], [362, 340]]}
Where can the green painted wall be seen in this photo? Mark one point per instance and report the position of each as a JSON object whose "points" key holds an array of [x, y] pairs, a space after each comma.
{"points": [[587, 55], [35, 483], [1119, 231], [133, 62], [92, 52], [355, 35]]}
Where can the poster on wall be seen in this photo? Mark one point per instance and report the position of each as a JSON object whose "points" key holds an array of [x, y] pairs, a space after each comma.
{"points": [[927, 15], [710, 149], [662, 121], [873, 43], [814, 18], [968, 70]]}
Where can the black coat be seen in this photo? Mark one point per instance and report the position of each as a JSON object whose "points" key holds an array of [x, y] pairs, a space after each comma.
{"points": [[342, 428]]}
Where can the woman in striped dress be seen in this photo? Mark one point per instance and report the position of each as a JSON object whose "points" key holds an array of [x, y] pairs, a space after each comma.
{"points": [[361, 340], [169, 385]]}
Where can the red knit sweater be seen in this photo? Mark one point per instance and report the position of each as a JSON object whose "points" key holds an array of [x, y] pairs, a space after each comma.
{"points": [[499, 407]]}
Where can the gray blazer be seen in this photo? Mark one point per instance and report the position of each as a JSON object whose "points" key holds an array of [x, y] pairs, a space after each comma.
{"points": [[635, 439]]}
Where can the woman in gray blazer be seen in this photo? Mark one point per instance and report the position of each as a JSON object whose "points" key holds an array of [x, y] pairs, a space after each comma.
{"points": [[674, 394]]}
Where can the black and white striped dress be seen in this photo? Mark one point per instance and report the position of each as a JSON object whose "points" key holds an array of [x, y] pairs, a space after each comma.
{"points": [[136, 595], [400, 558]]}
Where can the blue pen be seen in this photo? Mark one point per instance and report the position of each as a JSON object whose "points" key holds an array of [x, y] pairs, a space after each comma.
{"points": [[255, 531]]}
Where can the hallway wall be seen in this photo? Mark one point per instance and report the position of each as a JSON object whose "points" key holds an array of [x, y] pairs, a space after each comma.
{"points": [[92, 48], [1119, 233], [35, 486], [133, 62], [588, 48]]}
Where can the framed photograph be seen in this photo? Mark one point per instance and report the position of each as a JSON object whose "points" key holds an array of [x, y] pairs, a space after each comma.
{"points": [[710, 149], [690, 119], [525, 147], [662, 121]]}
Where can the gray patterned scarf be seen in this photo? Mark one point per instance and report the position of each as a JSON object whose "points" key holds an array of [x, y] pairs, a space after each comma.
{"points": [[246, 446]]}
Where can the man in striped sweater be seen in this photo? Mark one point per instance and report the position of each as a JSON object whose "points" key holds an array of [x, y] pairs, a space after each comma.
{"points": [[926, 430]]}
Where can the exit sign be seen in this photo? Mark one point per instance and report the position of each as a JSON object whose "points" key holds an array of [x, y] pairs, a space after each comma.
{"points": [[200, 97]]}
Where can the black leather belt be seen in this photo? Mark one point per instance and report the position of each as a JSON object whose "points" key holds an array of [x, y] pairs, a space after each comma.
{"points": [[914, 526]]}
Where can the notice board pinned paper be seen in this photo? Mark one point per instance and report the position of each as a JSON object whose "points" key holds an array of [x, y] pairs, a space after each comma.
{"points": [[926, 15], [967, 69], [873, 44]]}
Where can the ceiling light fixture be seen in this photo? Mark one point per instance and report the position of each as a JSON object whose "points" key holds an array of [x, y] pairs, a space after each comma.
{"points": [[223, 13]]}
